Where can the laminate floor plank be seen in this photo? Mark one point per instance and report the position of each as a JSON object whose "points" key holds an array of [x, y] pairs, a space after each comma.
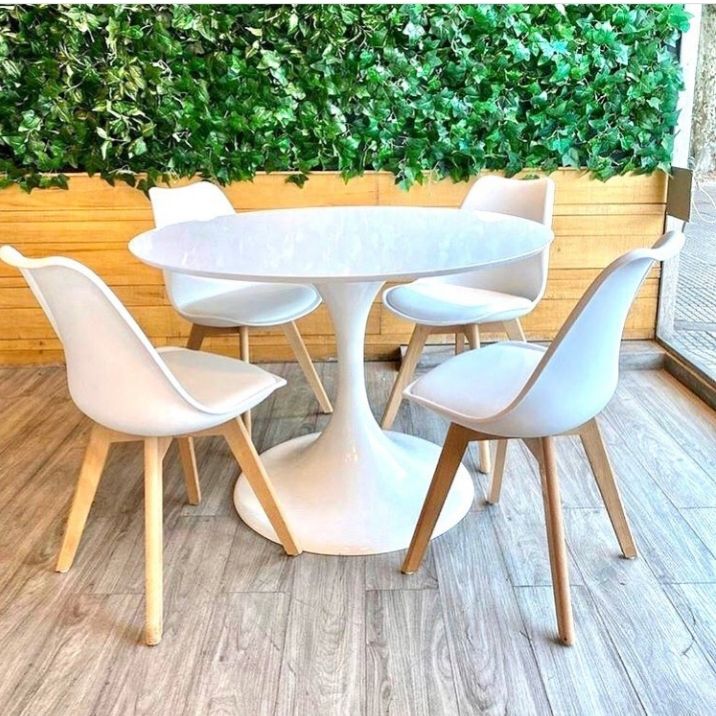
{"points": [[323, 666], [409, 670], [697, 605], [494, 666], [686, 418], [157, 680], [85, 639], [668, 670], [661, 455], [240, 664], [23, 452], [662, 535], [573, 685], [703, 522]]}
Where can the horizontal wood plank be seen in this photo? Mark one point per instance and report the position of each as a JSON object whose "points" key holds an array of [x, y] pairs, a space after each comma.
{"points": [[92, 222]]}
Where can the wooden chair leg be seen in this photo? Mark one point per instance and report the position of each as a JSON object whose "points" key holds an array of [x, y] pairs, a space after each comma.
{"points": [[604, 476], [485, 464], [555, 540], [304, 360], [407, 368], [472, 332], [90, 473], [459, 343], [196, 337], [245, 453], [493, 495], [245, 356], [514, 331], [191, 473], [448, 464], [153, 454]]}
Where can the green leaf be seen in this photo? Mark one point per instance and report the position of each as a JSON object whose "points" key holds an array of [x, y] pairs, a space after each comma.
{"points": [[226, 91]]}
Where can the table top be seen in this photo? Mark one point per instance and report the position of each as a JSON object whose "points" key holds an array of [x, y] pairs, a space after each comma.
{"points": [[358, 243]]}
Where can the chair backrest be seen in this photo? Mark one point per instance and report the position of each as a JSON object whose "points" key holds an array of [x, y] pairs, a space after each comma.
{"points": [[200, 201], [531, 199], [578, 374], [114, 373]]}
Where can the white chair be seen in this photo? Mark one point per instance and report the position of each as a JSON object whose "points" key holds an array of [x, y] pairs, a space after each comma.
{"points": [[133, 392], [517, 390], [219, 306], [460, 303]]}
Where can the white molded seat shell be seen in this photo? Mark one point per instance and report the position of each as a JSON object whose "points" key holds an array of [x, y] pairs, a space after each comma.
{"points": [[221, 302], [520, 390], [251, 304], [443, 304], [494, 293], [117, 377]]}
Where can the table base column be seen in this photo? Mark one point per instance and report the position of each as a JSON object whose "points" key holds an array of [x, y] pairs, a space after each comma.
{"points": [[337, 504], [352, 489]]}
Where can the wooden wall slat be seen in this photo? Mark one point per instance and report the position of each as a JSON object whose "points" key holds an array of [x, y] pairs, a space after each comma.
{"points": [[93, 222]]}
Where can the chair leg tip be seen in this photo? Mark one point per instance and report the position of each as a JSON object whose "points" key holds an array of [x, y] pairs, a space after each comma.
{"points": [[63, 566], [152, 637]]}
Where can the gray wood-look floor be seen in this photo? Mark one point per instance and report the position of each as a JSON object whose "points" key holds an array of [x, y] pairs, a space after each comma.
{"points": [[250, 631]]}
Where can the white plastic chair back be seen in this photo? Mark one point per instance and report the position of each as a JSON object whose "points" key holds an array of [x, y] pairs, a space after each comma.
{"points": [[527, 199], [578, 374], [115, 375], [196, 202]]}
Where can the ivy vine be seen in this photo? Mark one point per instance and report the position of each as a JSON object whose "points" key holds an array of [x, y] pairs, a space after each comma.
{"points": [[224, 92]]}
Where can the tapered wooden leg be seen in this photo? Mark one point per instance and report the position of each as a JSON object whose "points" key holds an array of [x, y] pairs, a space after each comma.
{"points": [[555, 540], [245, 355], [472, 332], [514, 331], [196, 337], [245, 453], [450, 459], [407, 368], [153, 453], [604, 475], [459, 342], [90, 473], [304, 360], [493, 496], [485, 464], [191, 473]]}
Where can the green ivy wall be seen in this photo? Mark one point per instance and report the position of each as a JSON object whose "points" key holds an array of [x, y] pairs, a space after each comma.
{"points": [[228, 91]]}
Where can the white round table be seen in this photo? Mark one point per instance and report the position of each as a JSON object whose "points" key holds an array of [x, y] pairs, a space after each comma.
{"points": [[353, 488]]}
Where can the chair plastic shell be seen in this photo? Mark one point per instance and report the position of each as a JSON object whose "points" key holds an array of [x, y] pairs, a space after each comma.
{"points": [[524, 280], [531, 199], [222, 302], [115, 375], [200, 201], [577, 376]]}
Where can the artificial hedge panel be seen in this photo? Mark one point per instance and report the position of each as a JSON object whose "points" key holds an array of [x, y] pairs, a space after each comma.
{"points": [[227, 91]]}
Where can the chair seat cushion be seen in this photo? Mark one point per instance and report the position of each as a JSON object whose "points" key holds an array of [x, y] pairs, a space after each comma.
{"points": [[222, 385], [253, 304], [443, 304], [474, 386]]}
